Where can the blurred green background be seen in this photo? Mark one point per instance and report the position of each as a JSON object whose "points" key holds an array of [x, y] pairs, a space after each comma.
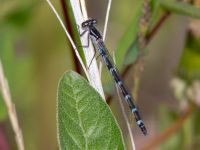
{"points": [[35, 53]]}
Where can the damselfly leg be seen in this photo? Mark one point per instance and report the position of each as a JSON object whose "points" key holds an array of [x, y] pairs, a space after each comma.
{"points": [[88, 43], [97, 40]]}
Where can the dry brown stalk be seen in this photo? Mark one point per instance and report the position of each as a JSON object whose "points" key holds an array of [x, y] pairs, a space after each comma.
{"points": [[4, 88]]}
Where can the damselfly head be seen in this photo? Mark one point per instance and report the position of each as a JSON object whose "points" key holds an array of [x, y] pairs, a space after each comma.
{"points": [[89, 23]]}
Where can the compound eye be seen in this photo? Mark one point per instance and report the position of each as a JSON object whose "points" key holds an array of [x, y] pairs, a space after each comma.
{"points": [[84, 24]]}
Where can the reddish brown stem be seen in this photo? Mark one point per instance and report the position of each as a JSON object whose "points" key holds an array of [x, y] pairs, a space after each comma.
{"points": [[69, 28], [148, 38], [169, 131], [151, 34]]}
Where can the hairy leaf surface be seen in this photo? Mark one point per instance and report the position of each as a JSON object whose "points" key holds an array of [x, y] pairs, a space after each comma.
{"points": [[85, 122]]}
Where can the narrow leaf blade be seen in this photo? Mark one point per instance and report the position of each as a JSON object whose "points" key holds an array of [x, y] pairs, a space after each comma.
{"points": [[181, 8], [85, 122], [128, 37]]}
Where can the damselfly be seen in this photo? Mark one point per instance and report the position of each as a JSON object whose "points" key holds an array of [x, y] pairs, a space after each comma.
{"points": [[89, 25]]}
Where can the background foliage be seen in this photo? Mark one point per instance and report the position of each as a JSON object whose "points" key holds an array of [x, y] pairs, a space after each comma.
{"points": [[35, 53]]}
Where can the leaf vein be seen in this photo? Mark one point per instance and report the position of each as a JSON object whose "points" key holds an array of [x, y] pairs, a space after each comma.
{"points": [[65, 128]]}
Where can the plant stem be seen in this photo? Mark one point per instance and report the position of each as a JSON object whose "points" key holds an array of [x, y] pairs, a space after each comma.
{"points": [[80, 15], [11, 109], [151, 34], [69, 37], [69, 28], [106, 19], [127, 121], [148, 38], [169, 131]]}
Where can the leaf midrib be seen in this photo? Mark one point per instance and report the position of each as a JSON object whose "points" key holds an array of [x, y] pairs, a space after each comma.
{"points": [[79, 117]]}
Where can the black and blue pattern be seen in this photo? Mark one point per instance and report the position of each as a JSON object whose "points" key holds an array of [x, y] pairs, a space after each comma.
{"points": [[97, 38]]}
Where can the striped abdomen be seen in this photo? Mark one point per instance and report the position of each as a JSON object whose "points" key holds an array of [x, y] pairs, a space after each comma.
{"points": [[121, 86]]}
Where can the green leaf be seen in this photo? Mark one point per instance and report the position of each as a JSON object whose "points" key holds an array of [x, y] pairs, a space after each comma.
{"points": [[132, 51], [181, 8], [196, 122], [131, 55], [129, 36], [154, 8], [85, 122], [154, 4], [20, 16], [156, 11], [6, 57], [189, 67]]}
